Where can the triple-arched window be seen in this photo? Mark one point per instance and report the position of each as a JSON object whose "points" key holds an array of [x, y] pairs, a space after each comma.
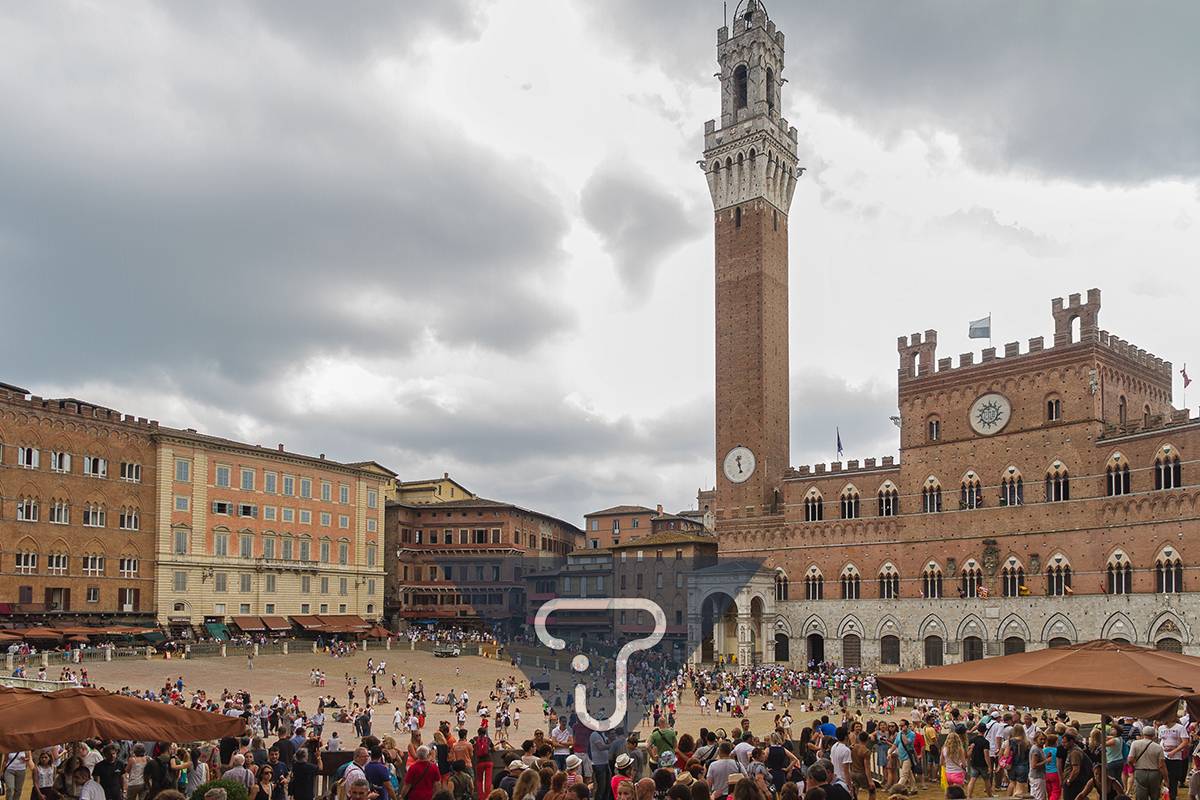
{"points": [[972, 579], [1168, 469], [931, 581], [889, 582], [851, 583], [1118, 574], [1058, 576], [1168, 572], [1012, 579], [970, 492], [1012, 488], [1116, 476], [889, 500], [814, 584], [851, 503], [813, 506], [1058, 483], [931, 496]]}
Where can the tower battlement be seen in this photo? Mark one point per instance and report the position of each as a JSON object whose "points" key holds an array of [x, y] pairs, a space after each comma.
{"points": [[918, 353]]}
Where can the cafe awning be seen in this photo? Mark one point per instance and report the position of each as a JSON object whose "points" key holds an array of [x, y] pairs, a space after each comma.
{"points": [[249, 624], [277, 623]]}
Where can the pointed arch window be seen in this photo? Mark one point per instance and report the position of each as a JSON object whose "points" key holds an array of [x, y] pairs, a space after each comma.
{"points": [[851, 583], [1118, 574], [931, 496], [889, 582], [1116, 476], [813, 507], [741, 85], [770, 89], [889, 500], [781, 586], [1122, 411], [1168, 572], [970, 492], [1058, 483], [851, 503], [972, 580], [1168, 468], [1053, 409], [1058, 577], [1012, 579], [1012, 488], [814, 585], [931, 582]]}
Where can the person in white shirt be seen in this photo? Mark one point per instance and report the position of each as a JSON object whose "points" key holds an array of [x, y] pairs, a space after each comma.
{"points": [[88, 788], [839, 754], [742, 751], [1176, 745]]}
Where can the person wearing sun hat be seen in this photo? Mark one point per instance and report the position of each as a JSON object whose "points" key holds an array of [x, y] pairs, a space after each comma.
{"points": [[624, 767], [572, 765], [514, 770]]}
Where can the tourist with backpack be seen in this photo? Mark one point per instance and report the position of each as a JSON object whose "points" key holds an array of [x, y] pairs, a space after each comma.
{"points": [[482, 754]]}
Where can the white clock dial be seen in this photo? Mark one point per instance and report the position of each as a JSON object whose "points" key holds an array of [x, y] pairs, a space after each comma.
{"points": [[990, 413], [739, 464]]}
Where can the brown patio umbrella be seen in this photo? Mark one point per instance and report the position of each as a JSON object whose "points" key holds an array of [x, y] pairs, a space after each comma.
{"points": [[30, 720], [1100, 677], [41, 633]]}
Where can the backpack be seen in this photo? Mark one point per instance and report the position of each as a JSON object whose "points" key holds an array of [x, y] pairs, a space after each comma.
{"points": [[483, 747], [462, 786]]}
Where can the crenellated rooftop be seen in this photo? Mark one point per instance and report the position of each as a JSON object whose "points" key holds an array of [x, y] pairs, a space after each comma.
{"points": [[918, 352], [837, 468], [68, 405]]}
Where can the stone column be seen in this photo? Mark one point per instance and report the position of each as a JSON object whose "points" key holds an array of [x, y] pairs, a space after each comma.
{"points": [[387, 645], [107, 655], [256, 650], [364, 645], [9, 662], [284, 645], [745, 645], [224, 650]]}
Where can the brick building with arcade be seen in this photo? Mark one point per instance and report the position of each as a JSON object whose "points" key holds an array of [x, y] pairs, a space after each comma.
{"points": [[1043, 494]]}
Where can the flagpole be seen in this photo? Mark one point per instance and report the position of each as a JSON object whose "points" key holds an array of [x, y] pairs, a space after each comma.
{"points": [[989, 329]]}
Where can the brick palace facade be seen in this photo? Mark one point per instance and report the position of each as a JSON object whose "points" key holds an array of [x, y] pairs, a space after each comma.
{"points": [[1043, 494]]}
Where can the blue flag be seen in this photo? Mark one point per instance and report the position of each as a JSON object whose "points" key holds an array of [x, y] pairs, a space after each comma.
{"points": [[839, 442]]}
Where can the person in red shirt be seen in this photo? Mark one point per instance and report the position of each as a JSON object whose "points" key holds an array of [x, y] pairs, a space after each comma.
{"points": [[423, 777]]}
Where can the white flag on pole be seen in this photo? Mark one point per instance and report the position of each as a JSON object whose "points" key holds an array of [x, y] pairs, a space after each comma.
{"points": [[980, 328]]}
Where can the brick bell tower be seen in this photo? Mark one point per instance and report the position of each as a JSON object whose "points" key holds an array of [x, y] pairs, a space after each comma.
{"points": [[750, 164]]}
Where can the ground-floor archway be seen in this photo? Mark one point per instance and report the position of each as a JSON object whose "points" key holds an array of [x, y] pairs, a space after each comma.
{"points": [[972, 647], [718, 628], [889, 650], [852, 651], [934, 648], [816, 648], [1169, 645], [1059, 641], [782, 648], [1014, 645]]}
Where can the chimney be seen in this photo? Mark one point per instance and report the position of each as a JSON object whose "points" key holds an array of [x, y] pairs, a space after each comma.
{"points": [[446, 476], [322, 456], [659, 509], [281, 447]]}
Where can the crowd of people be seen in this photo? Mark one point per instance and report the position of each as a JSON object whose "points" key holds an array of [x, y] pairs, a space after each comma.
{"points": [[830, 737]]}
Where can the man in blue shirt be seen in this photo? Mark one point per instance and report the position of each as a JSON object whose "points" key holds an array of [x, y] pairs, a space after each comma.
{"points": [[906, 752], [827, 727]]}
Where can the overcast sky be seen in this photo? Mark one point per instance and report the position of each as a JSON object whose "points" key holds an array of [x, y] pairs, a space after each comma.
{"points": [[472, 236]]}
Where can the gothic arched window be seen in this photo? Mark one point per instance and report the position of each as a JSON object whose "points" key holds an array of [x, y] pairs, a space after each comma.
{"points": [[931, 581], [781, 585], [850, 503], [972, 579], [1058, 483], [1012, 488], [1168, 572], [931, 496], [1012, 578], [889, 582], [889, 500], [814, 584], [813, 507], [770, 89], [740, 86], [1168, 469], [851, 583], [1116, 476], [1118, 574], [1058, 577], [970, 492]]}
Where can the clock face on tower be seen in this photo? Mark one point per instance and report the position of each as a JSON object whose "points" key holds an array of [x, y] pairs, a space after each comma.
{"points": [[990, 413], [739, 464]]}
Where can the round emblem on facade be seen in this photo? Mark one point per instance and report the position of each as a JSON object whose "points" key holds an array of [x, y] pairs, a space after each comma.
{"points": [[990, 413], [739, 464]]}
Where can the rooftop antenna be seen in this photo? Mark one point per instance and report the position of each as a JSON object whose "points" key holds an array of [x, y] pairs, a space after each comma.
{"points": [[725, 14]]}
